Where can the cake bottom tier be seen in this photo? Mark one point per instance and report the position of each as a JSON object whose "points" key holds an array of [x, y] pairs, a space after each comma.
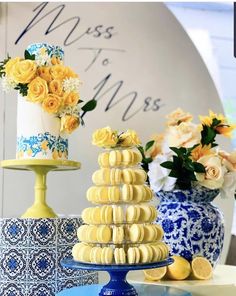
{"points": [[31, 251]]}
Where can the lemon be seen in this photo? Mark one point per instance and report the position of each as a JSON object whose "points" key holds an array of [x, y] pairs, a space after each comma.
{"points": [[201, 268], [155, 274], [179, 270]]}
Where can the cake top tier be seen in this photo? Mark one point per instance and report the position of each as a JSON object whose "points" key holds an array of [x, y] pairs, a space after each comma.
{"points": [[38, 49]]}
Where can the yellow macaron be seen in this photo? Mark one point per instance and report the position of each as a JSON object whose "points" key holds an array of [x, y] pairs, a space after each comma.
{"points": [[106, 255], [114, 194], [118, 234], [118, 215], [119, 256], [127, 192], [95, 255], [103, 234], [115, 158]]}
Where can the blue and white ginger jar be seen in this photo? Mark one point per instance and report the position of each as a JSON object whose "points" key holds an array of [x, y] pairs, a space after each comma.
{"points": [[193, 226]]}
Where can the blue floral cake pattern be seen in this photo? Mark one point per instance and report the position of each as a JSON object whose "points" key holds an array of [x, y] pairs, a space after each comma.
{"points": [[192, 225], [31, 251], [42, 143]]}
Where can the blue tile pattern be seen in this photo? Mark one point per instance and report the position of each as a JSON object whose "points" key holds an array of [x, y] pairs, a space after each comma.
{"points": [[30, 254], [193, 226]]}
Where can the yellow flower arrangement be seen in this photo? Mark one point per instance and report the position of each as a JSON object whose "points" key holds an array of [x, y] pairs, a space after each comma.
{"points": [[43, 78], [108, 138]]}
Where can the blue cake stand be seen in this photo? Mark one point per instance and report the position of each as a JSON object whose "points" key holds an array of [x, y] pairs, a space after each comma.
{"points": [[118, 285]]}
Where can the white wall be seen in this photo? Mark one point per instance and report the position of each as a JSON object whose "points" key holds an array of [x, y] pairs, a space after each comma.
{"points": [[157, 59]]}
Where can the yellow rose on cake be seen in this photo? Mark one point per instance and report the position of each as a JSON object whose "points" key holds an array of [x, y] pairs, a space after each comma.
{"points": [[213, 178], [24, 71], [55, 87], [56, 61], [52, 103], [69, 123], [58, 72], [37, 90], [9, 65], [105, 137], [44, 72], [129, 138], [71, 98], [70, 73]]}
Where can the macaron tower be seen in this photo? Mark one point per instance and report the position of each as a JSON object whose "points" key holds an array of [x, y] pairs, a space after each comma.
{"points": [[120, 227]]}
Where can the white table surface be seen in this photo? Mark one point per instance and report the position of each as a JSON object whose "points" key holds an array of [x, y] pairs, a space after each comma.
{"points": [[223, 282]]}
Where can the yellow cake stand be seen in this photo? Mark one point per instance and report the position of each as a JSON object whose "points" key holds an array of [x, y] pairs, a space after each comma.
{"points": [[40, 167]]}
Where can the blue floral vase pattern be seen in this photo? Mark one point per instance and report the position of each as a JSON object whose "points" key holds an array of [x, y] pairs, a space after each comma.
{"points": [[193, 226]]}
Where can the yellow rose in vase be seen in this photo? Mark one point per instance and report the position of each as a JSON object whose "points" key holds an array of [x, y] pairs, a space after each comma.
{"points": [[105, 137], [9, 65], [129, 138], [186, 134], [69, 123], [55, 87], [213, 178], [52, 103], [71, 98], [37, 90], [44, 73], [24, 71]]}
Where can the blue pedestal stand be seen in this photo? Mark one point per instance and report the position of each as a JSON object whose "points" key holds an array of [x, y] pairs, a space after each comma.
{"points": [[118, 285]]}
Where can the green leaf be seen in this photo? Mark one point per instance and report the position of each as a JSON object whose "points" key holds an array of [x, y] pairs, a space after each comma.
{"points": [[215, 122], [174, 174], [80, 101], [28, 56], [23, 89], [140, 148], [189, 166], [208, 135], [149, 145], [198, 167], [167, 164], [147, 160], [179, 151], [90, 105]]}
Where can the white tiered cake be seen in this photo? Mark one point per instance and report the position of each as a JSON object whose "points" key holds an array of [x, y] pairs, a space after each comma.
{"points": [[38, 132]]}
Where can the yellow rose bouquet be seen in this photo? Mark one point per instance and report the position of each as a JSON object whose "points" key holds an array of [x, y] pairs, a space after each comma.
{"points": [[187, 154], [108, 138], [45, 80]]}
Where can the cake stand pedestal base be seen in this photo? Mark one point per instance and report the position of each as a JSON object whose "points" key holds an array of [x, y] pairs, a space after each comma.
{"points": [[118, 286], [141, 290]]}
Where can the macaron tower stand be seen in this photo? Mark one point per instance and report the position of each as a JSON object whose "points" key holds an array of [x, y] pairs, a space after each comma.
{"points": [[32, 246], [120, 233]]}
